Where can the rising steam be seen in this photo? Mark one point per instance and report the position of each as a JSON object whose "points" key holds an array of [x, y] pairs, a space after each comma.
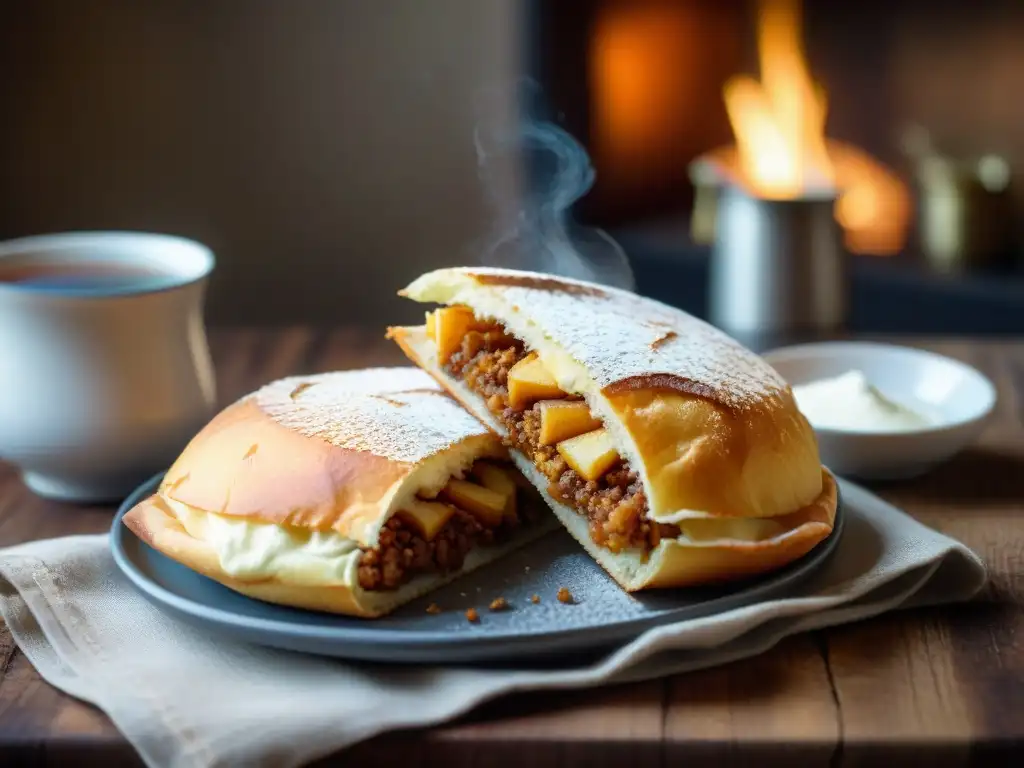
{"points": [[543, 237]]}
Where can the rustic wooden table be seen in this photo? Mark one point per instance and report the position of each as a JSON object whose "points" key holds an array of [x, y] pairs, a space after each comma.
{"points": [[928, 687]]}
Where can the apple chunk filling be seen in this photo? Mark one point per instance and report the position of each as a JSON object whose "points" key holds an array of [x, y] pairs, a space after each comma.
{"points": [[553, 428], [564, 419], [435, 535]]}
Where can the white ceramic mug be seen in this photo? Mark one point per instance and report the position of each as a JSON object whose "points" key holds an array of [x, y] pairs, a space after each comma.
{"points": [[101, 387]]}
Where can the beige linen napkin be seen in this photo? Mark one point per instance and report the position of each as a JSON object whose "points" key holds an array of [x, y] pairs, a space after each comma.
{"points": [[185, 698]]}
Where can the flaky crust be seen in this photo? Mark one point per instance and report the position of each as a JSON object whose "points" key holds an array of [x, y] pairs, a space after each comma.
{"points": [[674, 563], [625, 341], [324, 452]]}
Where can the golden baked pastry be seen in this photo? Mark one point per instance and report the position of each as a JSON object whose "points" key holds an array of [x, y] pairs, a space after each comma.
{"points": [[691, 463], [350, 492]]}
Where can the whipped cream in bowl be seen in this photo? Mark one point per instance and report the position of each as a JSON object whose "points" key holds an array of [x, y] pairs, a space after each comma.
{"points": [[851, 401], [882, 411]]}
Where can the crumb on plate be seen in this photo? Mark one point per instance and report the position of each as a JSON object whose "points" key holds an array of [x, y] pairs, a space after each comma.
{"points": [[499, 604], [535, 599], [564, 595], [433, 608], [472, 615]]}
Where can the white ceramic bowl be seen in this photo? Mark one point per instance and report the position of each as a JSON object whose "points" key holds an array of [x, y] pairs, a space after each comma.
{"points": [[956, 396]]}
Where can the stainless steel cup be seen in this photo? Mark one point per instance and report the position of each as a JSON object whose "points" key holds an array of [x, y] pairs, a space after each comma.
{"points": [[778, 269]]}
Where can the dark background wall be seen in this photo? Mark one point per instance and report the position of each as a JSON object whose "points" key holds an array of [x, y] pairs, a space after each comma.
{"points": [[640, 83], [323, 148]]}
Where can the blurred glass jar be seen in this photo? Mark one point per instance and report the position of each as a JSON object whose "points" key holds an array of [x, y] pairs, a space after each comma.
{"points": [[965, 218]]}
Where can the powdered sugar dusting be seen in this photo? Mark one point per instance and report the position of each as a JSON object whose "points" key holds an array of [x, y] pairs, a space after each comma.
{"points": [[619, 335], [399, 414]]}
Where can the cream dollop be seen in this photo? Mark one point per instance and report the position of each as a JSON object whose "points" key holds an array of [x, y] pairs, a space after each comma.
{"points": [[248, 550], [851, 402]]}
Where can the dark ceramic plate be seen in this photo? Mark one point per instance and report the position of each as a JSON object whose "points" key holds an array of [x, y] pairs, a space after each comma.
{"points": [[602, 616]]}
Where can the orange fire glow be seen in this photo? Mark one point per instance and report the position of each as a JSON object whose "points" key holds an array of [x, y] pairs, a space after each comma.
{"points": [[781, 150], [779, 122]]}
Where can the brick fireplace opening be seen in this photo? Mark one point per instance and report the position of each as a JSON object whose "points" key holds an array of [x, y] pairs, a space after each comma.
{"points": [[919, 107]]}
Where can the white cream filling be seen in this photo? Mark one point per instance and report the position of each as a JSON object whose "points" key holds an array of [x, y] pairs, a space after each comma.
{"points": [[248, 550], [725, 531]]}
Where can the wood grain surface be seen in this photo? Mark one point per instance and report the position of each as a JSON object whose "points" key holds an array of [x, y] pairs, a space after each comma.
{"points": [[939, 686]]}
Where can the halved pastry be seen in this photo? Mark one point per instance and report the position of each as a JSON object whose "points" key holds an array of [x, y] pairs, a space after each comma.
{"points": [[350, 492], [674, 455]]}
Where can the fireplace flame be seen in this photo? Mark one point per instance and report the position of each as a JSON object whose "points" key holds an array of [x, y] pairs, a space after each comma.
{"points": [[781, 149], [779, 122]]}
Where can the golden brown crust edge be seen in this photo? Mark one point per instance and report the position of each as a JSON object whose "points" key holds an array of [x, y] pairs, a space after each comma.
{"points": [[684, 565], [152, 522], [698, 455], [681, 563], [245, 465], [652, 345], [322, 465]]}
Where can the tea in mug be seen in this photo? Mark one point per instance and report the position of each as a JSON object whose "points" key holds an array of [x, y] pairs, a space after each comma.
{"points": [[85, 277]]}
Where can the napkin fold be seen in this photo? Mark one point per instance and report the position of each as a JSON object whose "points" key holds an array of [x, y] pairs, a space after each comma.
{"points": [[186, 698]]}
